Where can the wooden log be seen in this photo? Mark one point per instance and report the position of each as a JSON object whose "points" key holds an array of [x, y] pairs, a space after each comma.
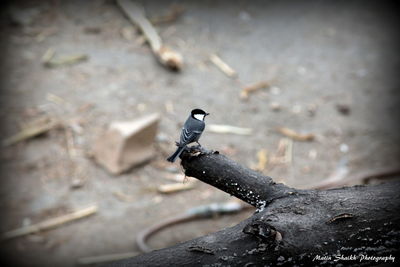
{"points": [[293, 227]]}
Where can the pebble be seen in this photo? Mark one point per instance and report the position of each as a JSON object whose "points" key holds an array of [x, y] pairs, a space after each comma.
{"points": [[344, 148], [275, 106]]}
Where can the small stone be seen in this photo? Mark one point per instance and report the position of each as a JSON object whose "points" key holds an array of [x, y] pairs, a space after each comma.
{"points": [[141, 107], [312, 154], [275, 90], [157, 199], [343, 109], [275, 106], [77, 183], [344, 148]]}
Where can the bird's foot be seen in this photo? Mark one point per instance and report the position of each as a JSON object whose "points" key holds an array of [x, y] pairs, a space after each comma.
{"points": [[199, 150]]}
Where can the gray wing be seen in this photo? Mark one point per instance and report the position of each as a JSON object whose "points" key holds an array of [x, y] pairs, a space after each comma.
{"points": [[187, 136]]}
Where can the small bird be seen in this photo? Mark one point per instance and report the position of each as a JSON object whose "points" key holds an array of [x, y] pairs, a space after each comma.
{"points": [[191, 131]]}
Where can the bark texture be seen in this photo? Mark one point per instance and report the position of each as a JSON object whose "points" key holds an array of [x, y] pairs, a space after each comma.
{"points": [[291, 227]]}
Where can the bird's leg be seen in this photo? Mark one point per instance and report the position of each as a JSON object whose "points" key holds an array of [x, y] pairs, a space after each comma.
{"points": [[198, 143]]}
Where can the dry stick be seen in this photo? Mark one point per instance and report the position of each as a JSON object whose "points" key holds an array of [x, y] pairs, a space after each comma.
{"points": [[50, 223], [262, 160], [123, 197], [225, 68], [228, 129], [30, 132], [289, 151], [244, 94], [136, 14], [65, 60], [177, 187], [295, 135], [271, 76]]}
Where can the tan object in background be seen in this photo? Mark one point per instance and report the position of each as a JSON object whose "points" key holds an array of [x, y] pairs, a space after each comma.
{"points": [[126, 144]]}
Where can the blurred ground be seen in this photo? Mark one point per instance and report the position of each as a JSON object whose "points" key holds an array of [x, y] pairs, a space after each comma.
{"points": [[321, 54]]}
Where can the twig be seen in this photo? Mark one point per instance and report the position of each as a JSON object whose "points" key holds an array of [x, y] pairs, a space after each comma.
{"points": [[50, 61], [106, 258], [48, 55], [224, 129], [123, 197], [50, 223], [70, 143], [41, 36], [31, 131], [172, 188], [289, 151], [295, 135], [284, 152], [165, 55], [244, 94], [340, 217], [262, 160], [225, 68], [55, 99]]}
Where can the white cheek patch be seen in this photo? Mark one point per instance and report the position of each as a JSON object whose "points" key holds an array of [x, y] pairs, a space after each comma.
{"points": [[200, 117]]}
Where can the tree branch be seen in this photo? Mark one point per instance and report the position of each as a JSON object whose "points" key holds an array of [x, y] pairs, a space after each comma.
{"points": [[293, 229], [221, 172]]}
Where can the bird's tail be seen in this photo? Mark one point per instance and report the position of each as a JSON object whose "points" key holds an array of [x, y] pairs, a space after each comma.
{"points": [[177, 153]]}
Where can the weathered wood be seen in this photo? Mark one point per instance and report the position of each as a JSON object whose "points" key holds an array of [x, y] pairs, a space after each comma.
{"points": [[293, 228], [229, 176]]}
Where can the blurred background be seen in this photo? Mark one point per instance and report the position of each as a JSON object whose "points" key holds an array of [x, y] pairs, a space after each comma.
{"points": [[311, 85]]}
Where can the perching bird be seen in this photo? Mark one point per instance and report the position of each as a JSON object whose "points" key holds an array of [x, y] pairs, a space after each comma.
{"points": [[191, 131]]}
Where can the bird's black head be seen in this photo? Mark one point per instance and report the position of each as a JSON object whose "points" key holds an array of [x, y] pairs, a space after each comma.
{"points": [[199, 114]]}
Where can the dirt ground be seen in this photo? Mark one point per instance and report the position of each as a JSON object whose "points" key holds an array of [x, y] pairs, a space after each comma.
{"points": [[332, 69]]}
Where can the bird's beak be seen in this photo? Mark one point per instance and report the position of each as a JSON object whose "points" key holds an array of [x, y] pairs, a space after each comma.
{"points": [[207, 114]]}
